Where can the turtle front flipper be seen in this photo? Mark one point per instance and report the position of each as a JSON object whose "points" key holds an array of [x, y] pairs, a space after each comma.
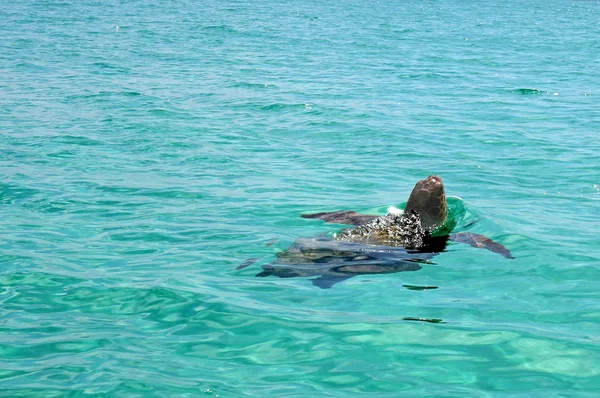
{"points": [[342, 217], [481, 242]]}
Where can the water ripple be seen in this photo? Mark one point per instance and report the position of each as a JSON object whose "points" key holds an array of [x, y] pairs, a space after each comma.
{"points": [[149, 149]]}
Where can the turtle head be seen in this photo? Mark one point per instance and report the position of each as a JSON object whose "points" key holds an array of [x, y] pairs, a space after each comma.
{"points": [[428, 198]]}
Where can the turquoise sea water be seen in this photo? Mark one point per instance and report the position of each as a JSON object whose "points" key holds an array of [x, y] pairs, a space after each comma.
{"points": [[147, 149]]}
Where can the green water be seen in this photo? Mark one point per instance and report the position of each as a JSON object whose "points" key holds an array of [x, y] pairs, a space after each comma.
{"points": [[148, 149]]}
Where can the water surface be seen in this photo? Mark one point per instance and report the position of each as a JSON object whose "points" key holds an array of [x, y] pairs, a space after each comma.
{"points": [[149, 149]]}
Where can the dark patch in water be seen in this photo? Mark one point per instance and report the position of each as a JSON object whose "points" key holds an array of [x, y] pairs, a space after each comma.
{"points": [[430, 320], [414, 287], [528, 91]]}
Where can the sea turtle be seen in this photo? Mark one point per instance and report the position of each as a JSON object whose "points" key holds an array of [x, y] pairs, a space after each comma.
{"points": [[378, 244]]}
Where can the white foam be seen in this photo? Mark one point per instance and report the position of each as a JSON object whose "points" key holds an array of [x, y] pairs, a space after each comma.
{"points": [[394, 210]]}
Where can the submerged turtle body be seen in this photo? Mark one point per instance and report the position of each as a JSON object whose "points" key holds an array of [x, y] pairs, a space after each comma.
{"points": [[333, 261], [378, 244]]}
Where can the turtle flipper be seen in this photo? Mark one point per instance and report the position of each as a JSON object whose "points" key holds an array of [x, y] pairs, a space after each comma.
{"points": [[342, 217], [327, 281], [481, 242]]}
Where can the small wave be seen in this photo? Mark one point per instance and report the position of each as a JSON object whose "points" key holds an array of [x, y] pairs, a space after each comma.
{"points": [[254, 85], [105, 95], [62, 154], [152, 192], [219, 28], [9, 258], [528, 91], [11, 193], [163, 112], [133, 236], [105, 68], [403, 30], [77, 140], [284, 107], [106, 65]]}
